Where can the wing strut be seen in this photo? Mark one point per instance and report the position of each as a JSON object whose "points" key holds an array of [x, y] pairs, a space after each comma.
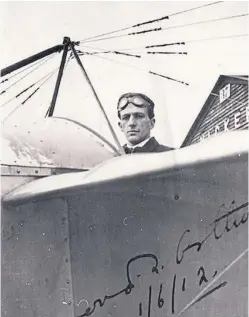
{"points": [[66, 42], [96, 97], [31, 59]]}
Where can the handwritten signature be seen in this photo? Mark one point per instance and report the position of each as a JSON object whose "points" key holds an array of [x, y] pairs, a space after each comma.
{"points": [[127, 290], [220, 225], [227, 227]]}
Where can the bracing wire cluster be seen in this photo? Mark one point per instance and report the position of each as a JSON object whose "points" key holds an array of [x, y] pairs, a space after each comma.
{"points": [[32, 88], [151, 49], [104, 38], [34, 67], [91, 39], [42, 81]]}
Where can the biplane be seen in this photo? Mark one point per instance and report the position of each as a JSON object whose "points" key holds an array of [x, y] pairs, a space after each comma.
{"points": [[87, 231]]}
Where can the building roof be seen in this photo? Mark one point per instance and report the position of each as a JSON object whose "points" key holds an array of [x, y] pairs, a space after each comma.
{"points": [[222, 80]]}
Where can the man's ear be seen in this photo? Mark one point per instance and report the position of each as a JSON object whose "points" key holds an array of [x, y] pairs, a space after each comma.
{"points": [[152, 122], [120, 125]]}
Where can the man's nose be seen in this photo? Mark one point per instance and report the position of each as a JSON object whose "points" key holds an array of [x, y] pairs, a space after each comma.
{"points": [[132, 121]]}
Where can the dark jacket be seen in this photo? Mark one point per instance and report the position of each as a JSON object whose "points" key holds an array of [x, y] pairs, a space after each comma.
{"points": [[151, 146]]}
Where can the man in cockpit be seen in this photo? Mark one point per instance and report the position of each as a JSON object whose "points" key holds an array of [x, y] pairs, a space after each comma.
{"points": [[136, 120]]}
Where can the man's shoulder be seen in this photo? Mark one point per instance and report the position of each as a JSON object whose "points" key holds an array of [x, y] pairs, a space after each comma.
{"points": [[155, 146], [163, 148], [152, 146]]}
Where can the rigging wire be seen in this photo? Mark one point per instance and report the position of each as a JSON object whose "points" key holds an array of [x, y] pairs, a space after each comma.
{"points": [[35, 91], [168, 53], [104, 51], [26, 89], [122, 35], [113, 52], [167, 44], [43, 62], [174, 27], [123, 29], [192, 9], [23, 70], [162, 45], [207, 21], [145, 31], [23, 102], [78, 60], [218, 38], [151, 21], [31, 95], [129, 49], [200, 40], [108, 52], [142, 69]]}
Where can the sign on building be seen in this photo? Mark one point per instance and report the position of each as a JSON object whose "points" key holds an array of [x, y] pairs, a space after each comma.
{"points": [[226, 109], [225, 93]]}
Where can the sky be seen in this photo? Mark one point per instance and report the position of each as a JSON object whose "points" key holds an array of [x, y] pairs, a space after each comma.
{"points": [[30, 27]]}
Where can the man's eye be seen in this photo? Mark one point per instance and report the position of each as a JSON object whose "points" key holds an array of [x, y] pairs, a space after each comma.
{"points": [[139, 116], [125, 118]]}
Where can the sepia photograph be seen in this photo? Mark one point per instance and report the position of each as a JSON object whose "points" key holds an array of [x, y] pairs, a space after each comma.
{"points": [[124, 158]]}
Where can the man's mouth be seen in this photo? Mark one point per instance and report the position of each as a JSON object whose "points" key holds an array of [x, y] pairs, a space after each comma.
{"points": [[133, 131]]}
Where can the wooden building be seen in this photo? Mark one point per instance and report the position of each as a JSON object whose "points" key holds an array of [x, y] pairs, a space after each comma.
{"points": [[225, 109]]}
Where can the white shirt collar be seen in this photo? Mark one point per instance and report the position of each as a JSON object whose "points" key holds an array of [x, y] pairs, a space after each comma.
{"points": [[139, 144]]}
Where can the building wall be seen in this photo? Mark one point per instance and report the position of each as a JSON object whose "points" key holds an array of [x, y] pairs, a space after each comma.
{"points": [[227, 110]]}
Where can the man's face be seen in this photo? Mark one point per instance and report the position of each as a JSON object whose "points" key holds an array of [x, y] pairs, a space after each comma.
{"points": [[135, 123]]}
